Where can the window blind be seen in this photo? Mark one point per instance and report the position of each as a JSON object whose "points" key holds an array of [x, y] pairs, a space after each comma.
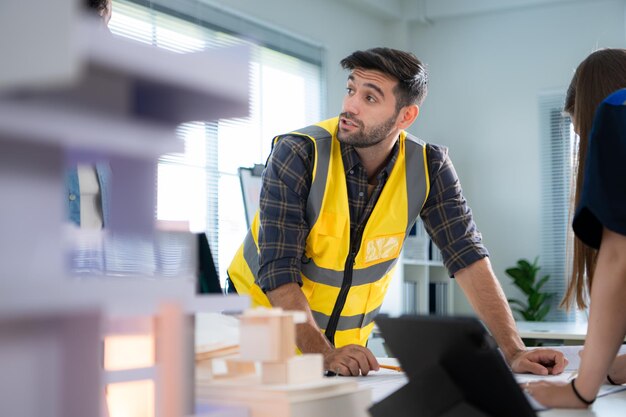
{"points": [[201, 185], [557, 146]]}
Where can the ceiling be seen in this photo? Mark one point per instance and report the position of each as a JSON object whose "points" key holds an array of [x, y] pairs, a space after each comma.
{"points": [[426, 11]]}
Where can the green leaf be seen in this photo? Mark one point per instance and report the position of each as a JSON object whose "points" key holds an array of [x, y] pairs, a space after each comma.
{"points": [[533, 299], [541, 297], [524, 276], [518, 303], [523, 263], [543, 312], [542, 281], [523, 285], [528, 316], [516, 273]]}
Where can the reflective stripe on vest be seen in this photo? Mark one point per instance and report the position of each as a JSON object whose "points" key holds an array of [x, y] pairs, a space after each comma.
{"points": [[322, 141], [251, 254], [347, 322], [323, 276], [335, 278]]}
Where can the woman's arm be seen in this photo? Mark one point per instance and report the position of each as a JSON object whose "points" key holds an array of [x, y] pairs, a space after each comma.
{"points": [[617, 373], [607, 316], [606, 328]]}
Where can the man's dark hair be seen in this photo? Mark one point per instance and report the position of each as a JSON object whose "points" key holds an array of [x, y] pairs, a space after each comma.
{"points": [[404, 66], [98, 5]]}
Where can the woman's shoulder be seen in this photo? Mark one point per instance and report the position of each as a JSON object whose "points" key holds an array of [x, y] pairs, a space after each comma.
{"points": [[617, 98]]}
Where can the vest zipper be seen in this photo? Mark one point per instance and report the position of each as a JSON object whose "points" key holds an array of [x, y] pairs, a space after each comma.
{"points": [[341, 298]]}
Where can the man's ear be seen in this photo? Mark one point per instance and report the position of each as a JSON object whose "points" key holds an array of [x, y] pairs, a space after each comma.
{"points": [[408, 114]]}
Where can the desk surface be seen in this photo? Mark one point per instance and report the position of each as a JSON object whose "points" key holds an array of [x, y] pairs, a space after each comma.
{"points": [[552, 330], [385, 382], [613, 405]]}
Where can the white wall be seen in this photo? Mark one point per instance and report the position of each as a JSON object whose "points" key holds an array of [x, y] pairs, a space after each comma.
{"points": [[338, 27], [486, 72]]}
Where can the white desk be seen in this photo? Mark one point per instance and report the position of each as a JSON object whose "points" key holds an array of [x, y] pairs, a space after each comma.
{"points": [[552, 330], [613, 405], [385, 382]]}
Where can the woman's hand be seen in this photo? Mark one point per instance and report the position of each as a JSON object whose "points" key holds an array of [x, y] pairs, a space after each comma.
{"points": [[617, 371], [554, 395]]}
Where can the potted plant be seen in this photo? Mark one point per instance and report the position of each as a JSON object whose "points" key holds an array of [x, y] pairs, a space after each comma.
{"points": [[537, 304]]}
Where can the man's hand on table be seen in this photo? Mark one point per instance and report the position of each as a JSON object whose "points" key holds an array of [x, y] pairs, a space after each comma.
{"points": [[350, 360], [539, 361]]}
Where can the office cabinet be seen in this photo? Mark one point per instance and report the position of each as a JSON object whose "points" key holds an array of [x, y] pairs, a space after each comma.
{"points": [[427, 288]]}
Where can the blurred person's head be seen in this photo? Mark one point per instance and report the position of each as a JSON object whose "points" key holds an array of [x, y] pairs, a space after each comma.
{"points": [[103, 8]]}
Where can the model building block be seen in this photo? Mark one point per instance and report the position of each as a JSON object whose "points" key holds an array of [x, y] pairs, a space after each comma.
{"points": [[237, 367], [267, 335], [295, 370]]}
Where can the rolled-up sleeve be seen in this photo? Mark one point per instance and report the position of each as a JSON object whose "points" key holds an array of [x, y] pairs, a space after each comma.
{"points": [[284, 229], [447, 217]]}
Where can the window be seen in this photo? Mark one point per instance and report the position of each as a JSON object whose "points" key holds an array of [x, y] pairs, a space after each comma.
{"points": [[557, 151], [201, 185]]}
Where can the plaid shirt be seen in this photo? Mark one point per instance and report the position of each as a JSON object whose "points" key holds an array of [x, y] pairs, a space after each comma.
{"points": [[284, 228]]}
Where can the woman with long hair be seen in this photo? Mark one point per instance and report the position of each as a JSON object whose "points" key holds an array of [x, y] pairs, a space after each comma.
{"points": [[596, 102]]}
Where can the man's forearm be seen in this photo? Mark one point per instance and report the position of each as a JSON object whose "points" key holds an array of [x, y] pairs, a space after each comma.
{"points": [[309, 338], [485, 294]]}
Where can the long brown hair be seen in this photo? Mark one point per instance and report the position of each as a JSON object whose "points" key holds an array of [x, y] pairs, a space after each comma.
{"points": [[600, 74]]}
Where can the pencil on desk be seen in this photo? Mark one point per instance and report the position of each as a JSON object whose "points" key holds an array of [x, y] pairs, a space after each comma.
{"points": [[392, 367]]}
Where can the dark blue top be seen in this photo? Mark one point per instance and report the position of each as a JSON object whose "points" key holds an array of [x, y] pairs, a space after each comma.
{"points": [[603, 199]]}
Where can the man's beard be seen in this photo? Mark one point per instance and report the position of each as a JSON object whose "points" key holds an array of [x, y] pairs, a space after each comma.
{"points": [[366, 138]]}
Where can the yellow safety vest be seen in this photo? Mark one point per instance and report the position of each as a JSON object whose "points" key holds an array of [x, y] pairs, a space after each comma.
{"points": [[345, 290]]}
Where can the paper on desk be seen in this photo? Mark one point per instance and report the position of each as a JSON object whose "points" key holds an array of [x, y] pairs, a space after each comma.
{"points": [[563, 377], [570, 372], [572, 353], [215, 330], [610, 389], [383, 383]]}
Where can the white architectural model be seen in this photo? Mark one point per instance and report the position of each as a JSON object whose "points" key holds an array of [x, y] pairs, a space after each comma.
{"points": [[272, 380]]}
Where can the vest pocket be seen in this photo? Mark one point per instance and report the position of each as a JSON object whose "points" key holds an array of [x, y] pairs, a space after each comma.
{"points": [[382, 248], [328, 241], [332, 224]]}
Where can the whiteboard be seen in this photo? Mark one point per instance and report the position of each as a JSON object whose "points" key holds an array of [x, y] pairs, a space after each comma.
{"points": [[250, 179]]}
